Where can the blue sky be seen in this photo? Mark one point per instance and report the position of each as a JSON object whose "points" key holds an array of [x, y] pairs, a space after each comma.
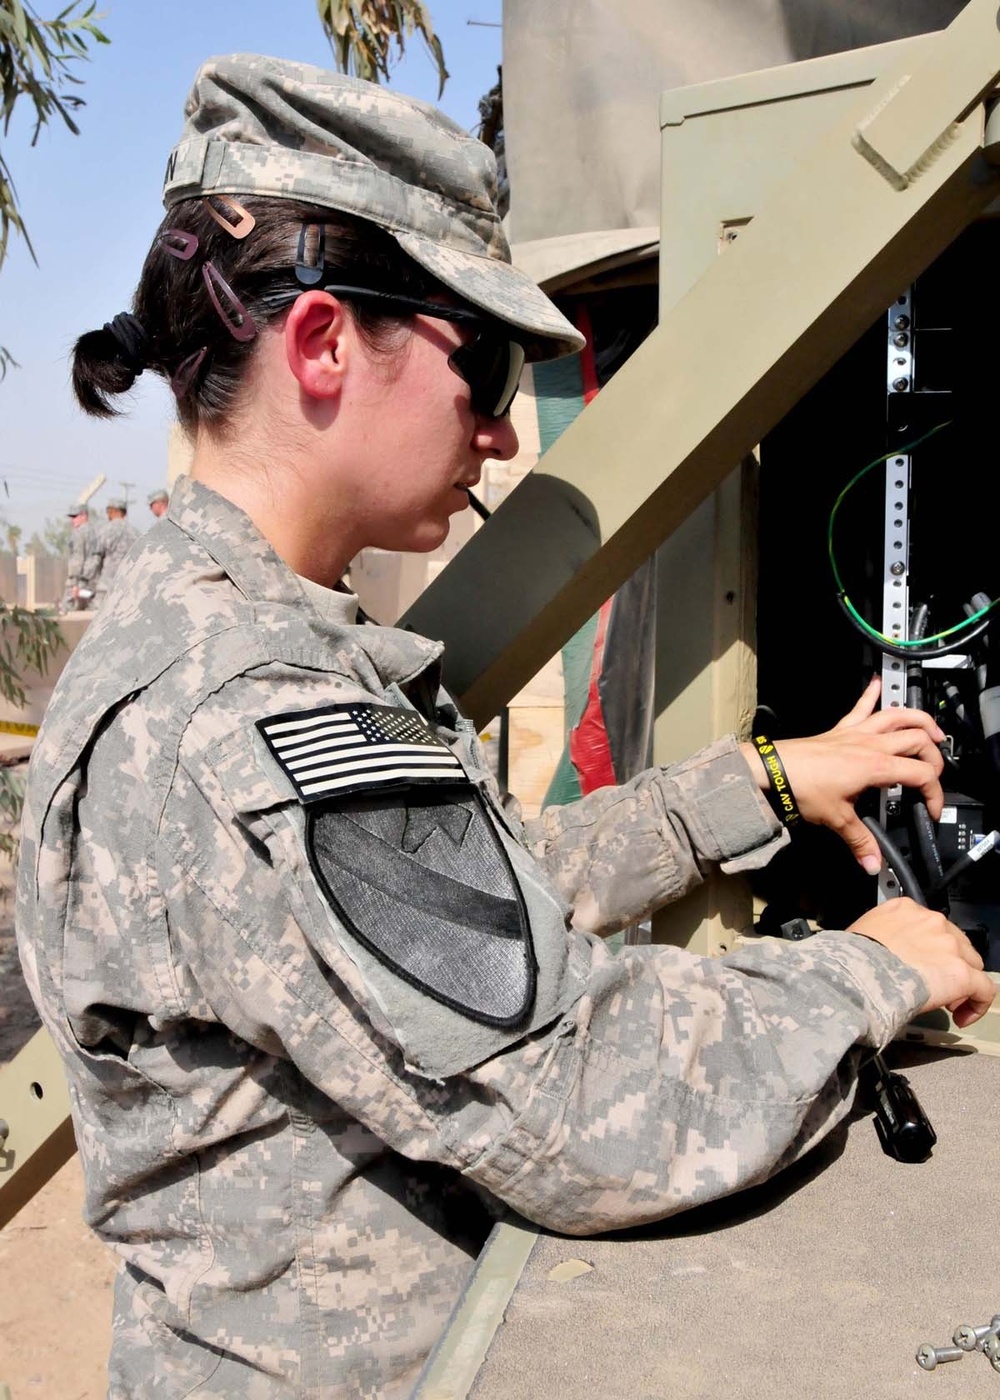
{"points": [[92, 202]]}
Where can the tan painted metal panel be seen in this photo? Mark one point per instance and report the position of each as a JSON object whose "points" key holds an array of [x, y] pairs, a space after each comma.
{"points": [[726, 145], [823, 256], [706, 677], [34, 1106]]}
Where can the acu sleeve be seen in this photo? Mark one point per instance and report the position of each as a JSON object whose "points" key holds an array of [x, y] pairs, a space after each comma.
{"points": [[621, 852]]}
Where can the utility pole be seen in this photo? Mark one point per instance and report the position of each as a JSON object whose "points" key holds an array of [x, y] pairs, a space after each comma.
{"points": [[93, 488], [126, 488]]}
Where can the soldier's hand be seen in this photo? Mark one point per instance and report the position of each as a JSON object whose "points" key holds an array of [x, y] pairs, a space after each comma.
{"points": [[868, 748], [939, 951]]}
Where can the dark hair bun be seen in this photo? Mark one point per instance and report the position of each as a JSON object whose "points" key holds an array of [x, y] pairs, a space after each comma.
{"points": [[99, 372]]}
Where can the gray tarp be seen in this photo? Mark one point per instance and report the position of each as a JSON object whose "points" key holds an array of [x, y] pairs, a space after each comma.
{"points": [[582, 80]]}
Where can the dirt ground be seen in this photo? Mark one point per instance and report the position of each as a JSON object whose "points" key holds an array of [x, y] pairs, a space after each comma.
{"points": [[55, 1297]]}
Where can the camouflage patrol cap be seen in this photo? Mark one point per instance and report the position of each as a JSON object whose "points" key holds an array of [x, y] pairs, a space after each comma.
{"points": [[266, 126], [116, 503], [159, 495], [77, 508]]}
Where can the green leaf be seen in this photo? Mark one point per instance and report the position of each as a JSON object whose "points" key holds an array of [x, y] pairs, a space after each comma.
{"points": [[434, 44], [20, 21], [366, 36], [37, 66]]}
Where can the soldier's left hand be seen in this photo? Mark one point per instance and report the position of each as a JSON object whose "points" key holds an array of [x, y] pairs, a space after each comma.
{"points": [[868, 748]]}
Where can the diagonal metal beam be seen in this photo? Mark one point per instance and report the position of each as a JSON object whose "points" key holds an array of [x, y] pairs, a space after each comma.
{"points": [[36, 1137], [868, 207]]}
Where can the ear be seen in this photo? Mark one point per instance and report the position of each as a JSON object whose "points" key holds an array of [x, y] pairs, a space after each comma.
{"points": [[318, 335]]}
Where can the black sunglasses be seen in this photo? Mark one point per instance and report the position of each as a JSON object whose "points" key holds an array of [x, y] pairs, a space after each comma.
{"points": [[491, 362]]}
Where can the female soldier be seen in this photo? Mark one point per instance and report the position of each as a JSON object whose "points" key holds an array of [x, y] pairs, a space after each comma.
{"points": [[318, 997]]}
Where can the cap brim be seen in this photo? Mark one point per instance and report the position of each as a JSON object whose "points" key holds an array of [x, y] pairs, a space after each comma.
{"points": [[501, 290]]}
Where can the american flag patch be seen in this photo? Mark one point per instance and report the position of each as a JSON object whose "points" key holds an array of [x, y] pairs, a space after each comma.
{"points": [[353, 748]]}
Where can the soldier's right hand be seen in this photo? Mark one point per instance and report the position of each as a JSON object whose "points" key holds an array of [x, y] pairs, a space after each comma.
{"points": [[939, 951]]}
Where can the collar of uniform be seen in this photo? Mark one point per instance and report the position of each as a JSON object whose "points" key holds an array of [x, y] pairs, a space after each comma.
{"points": [[336, 605], [232, 539], [228, 534]]}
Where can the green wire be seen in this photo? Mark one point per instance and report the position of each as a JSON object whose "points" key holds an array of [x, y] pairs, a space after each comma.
{"points": [[873, 632]]}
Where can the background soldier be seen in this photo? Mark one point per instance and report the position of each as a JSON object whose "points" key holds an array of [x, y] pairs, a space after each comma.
{"points": [[83, 561], [158, 502], [114, 542]]}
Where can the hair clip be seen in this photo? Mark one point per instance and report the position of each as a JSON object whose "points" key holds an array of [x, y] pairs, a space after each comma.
{"points": [[242, 222], [307, 274], [234, 316], [178, 243], [185, 373]]}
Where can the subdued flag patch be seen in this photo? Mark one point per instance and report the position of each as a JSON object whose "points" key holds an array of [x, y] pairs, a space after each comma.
{"points": [[342, 749]]}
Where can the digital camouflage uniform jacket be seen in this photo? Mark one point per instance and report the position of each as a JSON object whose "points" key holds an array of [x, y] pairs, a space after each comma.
{"points": [[83, 559], [115, 539], [295, 1151]]}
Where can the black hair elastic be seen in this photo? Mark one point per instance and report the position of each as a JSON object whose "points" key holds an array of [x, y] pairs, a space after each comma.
{"points": [[782, 797], [131, 340]]}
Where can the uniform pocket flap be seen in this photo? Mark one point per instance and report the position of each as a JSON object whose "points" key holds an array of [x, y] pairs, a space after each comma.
{"points": [[249, 776]]}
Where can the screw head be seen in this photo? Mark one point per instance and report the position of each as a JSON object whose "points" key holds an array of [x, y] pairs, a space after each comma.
{"points": [[965, 1337], [900, 340], [900, 385], [902, 323], [991, 1345], [928, 1357], [898, 568]]}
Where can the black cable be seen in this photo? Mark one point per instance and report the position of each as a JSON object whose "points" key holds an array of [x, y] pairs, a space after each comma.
{"points": [[920, 615], [977, 602], [896, 862], [967, 861], [926, 843], [914, 653], [918, 622], [903, 1128]]}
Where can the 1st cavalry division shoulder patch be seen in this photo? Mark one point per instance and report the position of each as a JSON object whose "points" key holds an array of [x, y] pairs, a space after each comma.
{"points": [[408, 856]]}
